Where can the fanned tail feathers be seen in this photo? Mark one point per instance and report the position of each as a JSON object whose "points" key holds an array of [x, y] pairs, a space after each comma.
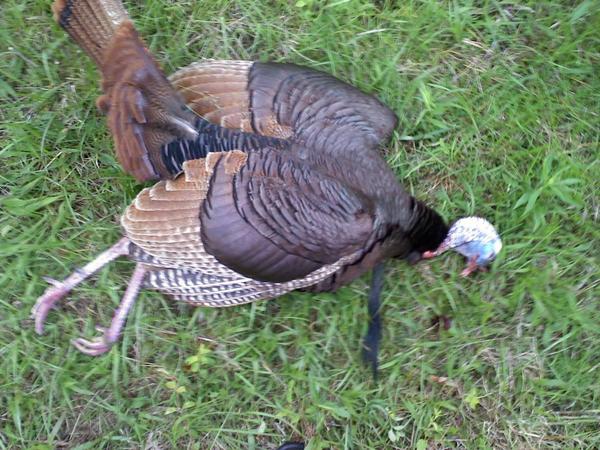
{"points": [[144, 111], [91, 23]]}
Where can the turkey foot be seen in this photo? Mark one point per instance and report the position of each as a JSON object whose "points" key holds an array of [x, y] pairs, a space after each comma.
{"points": [[58, 289], [103, 343]]}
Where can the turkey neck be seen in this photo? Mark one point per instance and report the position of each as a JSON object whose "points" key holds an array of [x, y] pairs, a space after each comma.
{"points": [[403, 228]]}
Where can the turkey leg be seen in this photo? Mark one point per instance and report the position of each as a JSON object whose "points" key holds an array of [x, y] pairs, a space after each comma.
{"points": [[103, 343], [59, 289]]}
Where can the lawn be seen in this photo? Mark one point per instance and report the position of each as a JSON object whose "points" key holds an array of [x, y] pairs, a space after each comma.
{"points": [[499, 107]]}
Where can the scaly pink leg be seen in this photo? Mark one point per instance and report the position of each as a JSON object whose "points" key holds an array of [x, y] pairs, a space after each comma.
{"points": [[59, 289], [103, 343]]}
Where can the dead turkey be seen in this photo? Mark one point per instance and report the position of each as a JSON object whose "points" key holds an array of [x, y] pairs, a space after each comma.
{"points": [[271, 179]]}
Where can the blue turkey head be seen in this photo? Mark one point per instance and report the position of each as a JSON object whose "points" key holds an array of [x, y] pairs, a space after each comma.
{"points": [[473, 237]]}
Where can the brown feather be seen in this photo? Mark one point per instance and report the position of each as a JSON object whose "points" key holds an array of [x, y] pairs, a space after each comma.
{"points": [[91, 23], [280, 225], [217, 91], [144, 111], [167, 237]]}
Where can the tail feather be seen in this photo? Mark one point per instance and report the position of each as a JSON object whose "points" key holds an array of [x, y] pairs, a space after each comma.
{"points": [[144, 111], [152, 128], [91, 23]]}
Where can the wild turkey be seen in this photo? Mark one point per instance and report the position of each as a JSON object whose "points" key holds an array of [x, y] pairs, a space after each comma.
{"points": [[271, 179]]}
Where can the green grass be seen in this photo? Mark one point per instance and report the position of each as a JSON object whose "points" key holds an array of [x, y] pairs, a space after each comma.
{"points": [[499, 109]]}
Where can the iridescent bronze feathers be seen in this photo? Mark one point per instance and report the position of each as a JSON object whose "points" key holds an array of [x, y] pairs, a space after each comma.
{"points": [[271, 175]]}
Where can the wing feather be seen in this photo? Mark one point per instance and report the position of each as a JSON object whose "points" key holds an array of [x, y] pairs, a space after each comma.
{"points": [[286, 101], [180, 265], [288, 218]]}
